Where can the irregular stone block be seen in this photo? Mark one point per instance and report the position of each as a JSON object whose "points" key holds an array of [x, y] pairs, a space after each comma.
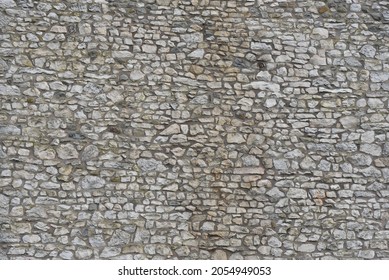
{"points": [[92, 182], [249, 170], [148, 165], [297, 193], [67, 151]]}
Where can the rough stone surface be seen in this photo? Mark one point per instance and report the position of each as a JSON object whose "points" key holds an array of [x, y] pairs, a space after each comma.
{"points": [[194, 129]]}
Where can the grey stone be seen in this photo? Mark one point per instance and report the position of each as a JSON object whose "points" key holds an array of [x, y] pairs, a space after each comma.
{"points": [[172, 129], [281, 164], [149, 48], [266, 86], [379, 77], [84, 254], [44, 152], [368, 51], [308, 163], [67, 151], [360, 160], [5, 4], [352, 61], [306, 248], [235, 138], [8, 237], [199, 53], [260, 46], [191, 38], [371, 171], [349, 122], [137, 75], [9, 130], [147, 165], [250, 161], [97, 241], [319, 33], [92, 182], [274, 242], [31, 238], [4, 205], [122, 55], [346, 147], [256, 139], [92, 88], [66, 255], [3, 66], [297, 193], [371, 149], [366, 254], [219, 255], [275, 193], [90, 152], [120, 238]]}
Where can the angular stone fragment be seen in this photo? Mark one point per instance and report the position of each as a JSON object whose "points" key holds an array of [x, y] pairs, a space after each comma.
{"points": [[92, 182], [255, 139], [319, 33], [8, 237], [265, 86], [191, 38], [366, 254], [297, 193], [360, 159], [335, 90], [249, 170], [199, 53], [235, 138], [50, 185], [122, 55], [3, 67], [308, 163], [260, 46], [318, 60], [90, 152], [219, 255], [83, 254], [250, 160], [368, 51], [119, 238], [281, 164], [349, 122], [97, 241], [275, 193], [109, 252], [379, 77], [5, 4], [67, 151], [149, 48], [352, 61], [147, 165], [371, 149], [274, 242], [44, 152], [172, 129], [8, 130], [137, 75], [4, 205], [306, 248], [371, 171]]}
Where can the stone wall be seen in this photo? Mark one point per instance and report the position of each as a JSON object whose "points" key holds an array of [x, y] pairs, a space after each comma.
{"points": [[194, 129]]}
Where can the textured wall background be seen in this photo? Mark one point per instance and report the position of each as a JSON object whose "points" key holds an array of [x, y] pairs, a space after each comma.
{"points": [[194, 129]]}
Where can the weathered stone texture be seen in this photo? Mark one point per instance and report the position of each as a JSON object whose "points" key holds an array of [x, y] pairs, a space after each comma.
{"points": [[194, 129]]}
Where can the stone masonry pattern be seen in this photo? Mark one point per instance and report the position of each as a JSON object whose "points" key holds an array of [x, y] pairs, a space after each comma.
{"points": [[194, 129]]}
